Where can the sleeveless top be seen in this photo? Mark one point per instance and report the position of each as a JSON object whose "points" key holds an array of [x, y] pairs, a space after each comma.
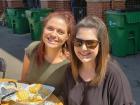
{"points": [[49, 74]]}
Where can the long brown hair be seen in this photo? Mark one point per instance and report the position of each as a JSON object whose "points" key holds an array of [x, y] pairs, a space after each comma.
{"points": [[69, 19], [102, 57]]}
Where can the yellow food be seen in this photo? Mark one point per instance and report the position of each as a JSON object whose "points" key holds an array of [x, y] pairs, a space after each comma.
{"points": [[30, 95], [36, 98], [34, 89], [22, 95]]}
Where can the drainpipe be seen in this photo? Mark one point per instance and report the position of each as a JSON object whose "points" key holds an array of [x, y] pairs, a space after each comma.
{"points": [[112, 2]]}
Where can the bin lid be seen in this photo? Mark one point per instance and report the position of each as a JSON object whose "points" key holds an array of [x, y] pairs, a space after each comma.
{"points": [[133, 17], [114, 12]]}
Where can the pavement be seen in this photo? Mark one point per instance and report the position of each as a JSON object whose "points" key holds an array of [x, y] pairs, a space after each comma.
{"points": [[12, 50]]}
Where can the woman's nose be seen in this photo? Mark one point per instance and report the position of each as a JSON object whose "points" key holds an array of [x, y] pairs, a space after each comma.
{"points": [[54, 33], [84, 47]]}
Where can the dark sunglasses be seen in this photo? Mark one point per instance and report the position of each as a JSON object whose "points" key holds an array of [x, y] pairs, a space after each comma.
{"points": [[90, 44]]}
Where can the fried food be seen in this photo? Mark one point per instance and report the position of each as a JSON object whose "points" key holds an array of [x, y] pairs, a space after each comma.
{"points": [[36, 98], [30, 95], [22, 95], [34, 89]]}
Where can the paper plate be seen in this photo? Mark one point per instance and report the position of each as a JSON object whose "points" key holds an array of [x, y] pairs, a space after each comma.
{"points": [[49, 103]]}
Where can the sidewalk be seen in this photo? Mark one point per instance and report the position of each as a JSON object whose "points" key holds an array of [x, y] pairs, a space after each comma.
{"points": [[12, 50]]}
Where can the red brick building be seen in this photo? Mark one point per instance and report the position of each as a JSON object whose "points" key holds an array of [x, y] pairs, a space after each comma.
{"points": [[94, 7]]}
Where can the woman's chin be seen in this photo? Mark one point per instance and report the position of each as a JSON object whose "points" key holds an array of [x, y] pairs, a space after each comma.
{"points": [[53, 45], [85, 60]]}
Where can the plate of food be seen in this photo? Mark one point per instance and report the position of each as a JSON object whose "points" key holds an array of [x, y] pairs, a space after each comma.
{"points": [[49, 103], [25, 94]]}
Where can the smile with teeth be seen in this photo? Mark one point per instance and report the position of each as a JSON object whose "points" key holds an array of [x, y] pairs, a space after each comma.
{"points": [[84, 53], [52, 40]]}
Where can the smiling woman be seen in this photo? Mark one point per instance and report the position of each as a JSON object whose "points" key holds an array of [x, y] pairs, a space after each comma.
{"points": [[94, 78], [45, 61]]}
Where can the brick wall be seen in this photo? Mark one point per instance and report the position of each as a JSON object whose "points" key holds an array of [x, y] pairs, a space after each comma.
{"points": [[98, 8], [57, 5], [3, 5], [1, 8], [118, 4], [14, 3], [93, 8]]}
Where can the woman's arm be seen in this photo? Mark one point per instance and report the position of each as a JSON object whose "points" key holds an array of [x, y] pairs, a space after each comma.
{"points": [[25, 69]]}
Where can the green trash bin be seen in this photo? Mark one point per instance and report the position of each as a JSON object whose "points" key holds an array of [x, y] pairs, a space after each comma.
{"points": [[9, 13], [36, 30], [37, 13], [124, 33], [134, 17], [20, 23], [8, 21], [35, 18]]}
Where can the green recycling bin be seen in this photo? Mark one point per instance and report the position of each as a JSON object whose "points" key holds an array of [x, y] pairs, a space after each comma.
{"points": [[36, 30], [35, 18], [9, 13], [8, 21], [124, 35], [20, 23], [134, 17]]}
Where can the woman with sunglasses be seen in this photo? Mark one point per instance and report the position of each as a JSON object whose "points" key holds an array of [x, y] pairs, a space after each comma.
{"points": [[94, 78], [45, 61]]}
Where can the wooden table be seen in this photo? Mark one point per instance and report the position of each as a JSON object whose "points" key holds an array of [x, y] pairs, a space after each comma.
{"points": [[5, 80], [52, 98]]}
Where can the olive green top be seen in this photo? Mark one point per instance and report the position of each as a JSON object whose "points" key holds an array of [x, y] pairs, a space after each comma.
{"points": [[50, 74]]}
